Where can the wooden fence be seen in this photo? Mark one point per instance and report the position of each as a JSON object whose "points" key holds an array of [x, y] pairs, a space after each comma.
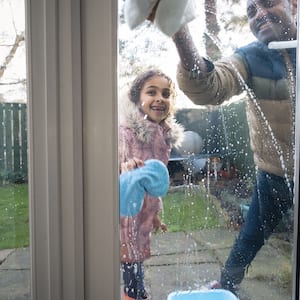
{"points": [[13, 143]]}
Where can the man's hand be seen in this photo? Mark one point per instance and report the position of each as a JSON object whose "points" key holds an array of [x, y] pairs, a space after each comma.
{"points": [[151, 17]]}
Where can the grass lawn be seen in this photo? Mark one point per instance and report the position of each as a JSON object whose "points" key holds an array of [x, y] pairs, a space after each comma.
{"points": [[183, 211], [190, 211], [14, 219]]}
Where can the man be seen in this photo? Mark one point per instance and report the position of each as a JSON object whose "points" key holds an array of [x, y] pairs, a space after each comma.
{"points": [[268, 76]]}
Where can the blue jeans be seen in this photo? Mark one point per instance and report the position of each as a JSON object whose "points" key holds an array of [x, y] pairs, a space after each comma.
{"points": [[272, 197]]}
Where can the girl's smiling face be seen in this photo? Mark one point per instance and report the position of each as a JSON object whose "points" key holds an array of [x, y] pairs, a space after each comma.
{"points": [[155, 98]]}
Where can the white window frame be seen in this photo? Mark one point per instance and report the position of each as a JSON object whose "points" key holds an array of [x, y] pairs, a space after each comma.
{"points": [[296, 254], [72, 120]]}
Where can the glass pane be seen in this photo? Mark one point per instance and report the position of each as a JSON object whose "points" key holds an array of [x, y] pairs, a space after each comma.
{"points": [[14, 217], [229, 207]]}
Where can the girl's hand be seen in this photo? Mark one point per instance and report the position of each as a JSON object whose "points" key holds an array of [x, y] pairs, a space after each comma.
{"points": [[131, 164], [163, 227], [157, 224]]}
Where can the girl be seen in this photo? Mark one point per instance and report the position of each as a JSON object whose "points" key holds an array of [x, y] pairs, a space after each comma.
{"points": [[147, 130]]}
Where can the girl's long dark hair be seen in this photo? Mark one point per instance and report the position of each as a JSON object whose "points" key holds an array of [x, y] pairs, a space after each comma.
{"points": [[138, 83]]}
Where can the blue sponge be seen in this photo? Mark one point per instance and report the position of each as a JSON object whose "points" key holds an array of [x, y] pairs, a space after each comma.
{"points": [[152, 178]]}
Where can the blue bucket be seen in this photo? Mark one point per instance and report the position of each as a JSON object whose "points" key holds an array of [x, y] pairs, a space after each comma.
{"points": [[217, 294]]}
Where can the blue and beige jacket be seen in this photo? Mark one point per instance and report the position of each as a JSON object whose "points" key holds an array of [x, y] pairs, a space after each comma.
{"points": [[268, 78]]}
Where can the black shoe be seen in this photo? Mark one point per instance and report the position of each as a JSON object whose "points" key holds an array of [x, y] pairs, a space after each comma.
{"points": [[144, 295], [231, 278], [242, 295]]}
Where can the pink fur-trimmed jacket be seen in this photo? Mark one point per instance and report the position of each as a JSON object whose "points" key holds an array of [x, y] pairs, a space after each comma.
{"points": [[143, 139]]}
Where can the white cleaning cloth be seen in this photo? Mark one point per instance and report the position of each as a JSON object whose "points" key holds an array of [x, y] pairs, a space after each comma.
{"points": [[170, 15], [137, 11]]}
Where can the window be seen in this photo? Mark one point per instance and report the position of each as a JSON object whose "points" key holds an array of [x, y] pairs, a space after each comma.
{"points": [[214, 167]]}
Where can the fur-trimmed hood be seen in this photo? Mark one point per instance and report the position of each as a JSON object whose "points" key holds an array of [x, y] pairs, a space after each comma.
{"points": [[131, 117]]}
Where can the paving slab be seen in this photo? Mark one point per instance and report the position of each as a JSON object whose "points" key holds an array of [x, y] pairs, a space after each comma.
{"points": [[180, 261], [162, 280], [217, 238], [173, 243], [15, 277], [190, 261], [17, 259], [4, 254]]}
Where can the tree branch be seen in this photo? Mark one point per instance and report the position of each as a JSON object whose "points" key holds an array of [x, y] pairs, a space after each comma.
{"points": [[18, 40]]}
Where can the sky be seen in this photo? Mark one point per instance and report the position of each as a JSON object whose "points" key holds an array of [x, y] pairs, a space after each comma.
{"points": [[146, 41], [12, 21]]}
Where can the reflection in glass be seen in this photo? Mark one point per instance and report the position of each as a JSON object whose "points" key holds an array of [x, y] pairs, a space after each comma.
{"points": [[212, 174], [14, 211]]}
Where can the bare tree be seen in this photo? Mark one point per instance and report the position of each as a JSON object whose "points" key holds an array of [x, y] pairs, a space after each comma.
{"points": [[12, 46], [212, 30], [18, 40]]}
